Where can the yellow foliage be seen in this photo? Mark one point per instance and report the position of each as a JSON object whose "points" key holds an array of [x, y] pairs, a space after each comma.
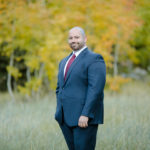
{"points": [[115, 83], [32, 62], [34, 84], [14, 72], [18, 59], [41, 29], [44, 54], [31, 86], [24, 90]]}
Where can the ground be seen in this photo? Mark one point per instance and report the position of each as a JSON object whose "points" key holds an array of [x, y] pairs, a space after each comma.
{"points": [[31, 125]]}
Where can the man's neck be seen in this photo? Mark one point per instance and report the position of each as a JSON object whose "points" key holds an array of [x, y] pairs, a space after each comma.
{"points": [[80, 49], [77, 52]]}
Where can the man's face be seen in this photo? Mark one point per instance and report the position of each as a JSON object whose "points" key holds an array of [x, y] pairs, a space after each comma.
{"points": [[76, 40]]}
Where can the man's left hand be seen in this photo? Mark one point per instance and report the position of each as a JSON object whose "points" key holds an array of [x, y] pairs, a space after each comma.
{"points": [[83, 122]]}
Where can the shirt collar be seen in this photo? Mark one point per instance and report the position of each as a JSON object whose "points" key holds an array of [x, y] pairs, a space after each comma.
{"points": [[79, 51]]}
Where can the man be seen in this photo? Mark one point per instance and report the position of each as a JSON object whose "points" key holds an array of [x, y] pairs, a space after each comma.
{"points": [[79, 92]]}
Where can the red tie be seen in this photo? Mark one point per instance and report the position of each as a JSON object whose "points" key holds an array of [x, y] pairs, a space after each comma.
{"points": [[69, 64]]}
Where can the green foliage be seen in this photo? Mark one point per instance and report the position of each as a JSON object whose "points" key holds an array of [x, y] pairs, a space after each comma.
{"points": [[141, 39]]}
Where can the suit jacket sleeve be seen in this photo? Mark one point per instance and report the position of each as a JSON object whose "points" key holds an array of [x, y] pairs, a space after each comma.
{"points": [[57, 88], [96, 83]]}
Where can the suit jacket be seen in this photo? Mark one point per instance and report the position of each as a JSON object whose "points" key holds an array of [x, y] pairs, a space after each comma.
{"points": [[82, 91]]}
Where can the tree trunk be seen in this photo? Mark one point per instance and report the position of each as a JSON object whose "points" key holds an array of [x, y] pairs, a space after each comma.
{"points": [[9, 86], [28, 74], [41, 71], [116, 59], [43, 2], [116, 53]]}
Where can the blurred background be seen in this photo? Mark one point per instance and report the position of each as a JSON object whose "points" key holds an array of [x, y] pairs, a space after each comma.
{"points": [[33, 39]]}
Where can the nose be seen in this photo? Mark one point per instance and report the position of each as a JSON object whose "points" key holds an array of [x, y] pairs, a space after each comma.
{"points": [[73, 40]]}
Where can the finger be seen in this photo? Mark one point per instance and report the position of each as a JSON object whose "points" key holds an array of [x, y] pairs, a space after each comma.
{"points": [[83, 125], [80, 124], [86, 124]]}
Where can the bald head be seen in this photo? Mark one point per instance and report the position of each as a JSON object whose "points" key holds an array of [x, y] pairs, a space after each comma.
{"points": [[79, 29], [77, 38]]}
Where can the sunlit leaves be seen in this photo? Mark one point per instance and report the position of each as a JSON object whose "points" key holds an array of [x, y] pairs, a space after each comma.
{"points": [[40, 28], [14, 72]]}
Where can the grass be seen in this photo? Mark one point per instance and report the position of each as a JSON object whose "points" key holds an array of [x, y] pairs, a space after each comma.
{"points": [[31, 125]]}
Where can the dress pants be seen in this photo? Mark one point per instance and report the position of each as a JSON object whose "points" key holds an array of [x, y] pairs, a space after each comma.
{"points": [[78, 138]]}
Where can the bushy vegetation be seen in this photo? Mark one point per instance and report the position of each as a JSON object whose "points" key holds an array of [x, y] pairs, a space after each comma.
{"points": [[33, 39]]}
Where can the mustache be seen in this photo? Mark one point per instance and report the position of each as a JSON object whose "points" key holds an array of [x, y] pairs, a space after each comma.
{"points": [[74, 43]]}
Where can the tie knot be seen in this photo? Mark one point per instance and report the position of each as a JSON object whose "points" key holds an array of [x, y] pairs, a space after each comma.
{"points": [[74, 56]]}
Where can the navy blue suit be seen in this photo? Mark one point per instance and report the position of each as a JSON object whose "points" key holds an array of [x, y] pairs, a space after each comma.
{"points": [[81, 94]]}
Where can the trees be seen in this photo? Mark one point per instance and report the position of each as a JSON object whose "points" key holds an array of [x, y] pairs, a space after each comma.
{"points": [[114, 23], [33, 37], [141, 39]]}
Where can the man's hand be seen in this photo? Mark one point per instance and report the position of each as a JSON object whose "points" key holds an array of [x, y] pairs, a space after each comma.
{"points": [[83, 122]]}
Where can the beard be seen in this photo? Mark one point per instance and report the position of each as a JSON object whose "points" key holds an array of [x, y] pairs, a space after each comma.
{"points": [[76, 46]]}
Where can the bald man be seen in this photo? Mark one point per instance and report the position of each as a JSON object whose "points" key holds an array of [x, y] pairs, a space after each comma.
{"points": [[80, 93]]}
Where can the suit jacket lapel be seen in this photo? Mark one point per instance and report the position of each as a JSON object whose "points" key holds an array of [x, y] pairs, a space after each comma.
{"points": [[62, 68], [74, 63]]}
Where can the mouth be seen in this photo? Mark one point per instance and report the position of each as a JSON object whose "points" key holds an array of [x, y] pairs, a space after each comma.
{"points": [[74, 44]]}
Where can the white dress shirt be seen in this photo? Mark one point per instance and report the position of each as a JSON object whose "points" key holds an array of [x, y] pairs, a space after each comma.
{"points": [[76, 53]]}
